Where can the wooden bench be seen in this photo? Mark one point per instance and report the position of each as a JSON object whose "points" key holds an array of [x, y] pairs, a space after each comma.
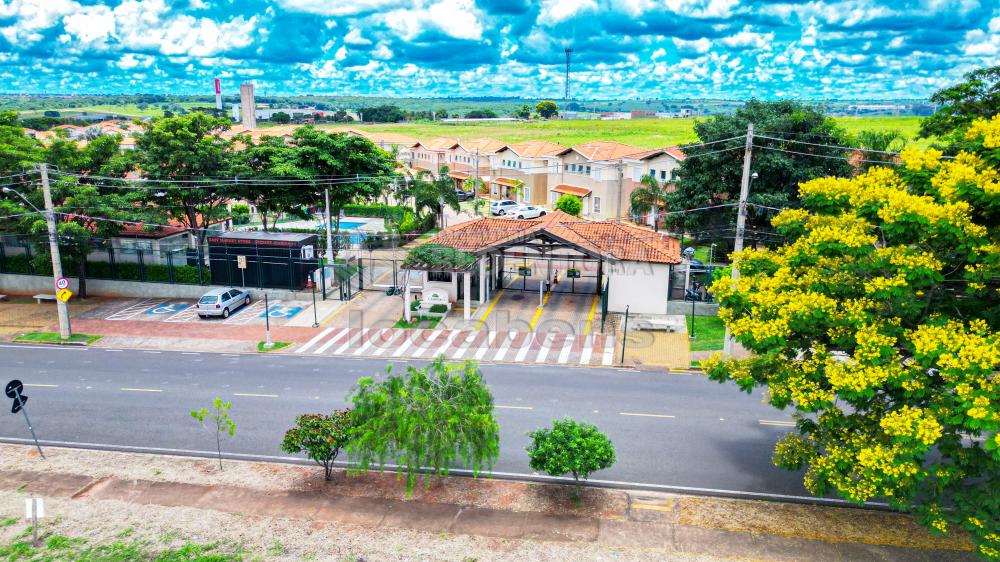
{"points": [[40, 298]]}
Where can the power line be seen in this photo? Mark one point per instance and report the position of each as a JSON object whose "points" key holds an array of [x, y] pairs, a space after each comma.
{"points": [[774, 148]]}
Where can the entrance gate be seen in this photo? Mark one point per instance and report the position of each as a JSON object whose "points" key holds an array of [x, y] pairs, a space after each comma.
{"points": [[569, 274]]}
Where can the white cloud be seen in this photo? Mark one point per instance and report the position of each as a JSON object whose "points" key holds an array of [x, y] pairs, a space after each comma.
{"points": [[32, 16], [454, 18], [809, 34], [698, 46], [995, 25], [661, 52], [896, 42], [978, 43], [748, 39], [341, 53], [383, 52], [699, 9], [555, 11], [92, 26], [132, 60], [354, 37], [338, 7]]}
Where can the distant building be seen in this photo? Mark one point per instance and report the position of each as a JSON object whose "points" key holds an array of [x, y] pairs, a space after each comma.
{"points": [[615, 115], [578, 115], [643, 114], [248, 109], [480, 120]]}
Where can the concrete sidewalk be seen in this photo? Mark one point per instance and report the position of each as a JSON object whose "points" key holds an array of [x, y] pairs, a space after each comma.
{"points": [[649, 521]]}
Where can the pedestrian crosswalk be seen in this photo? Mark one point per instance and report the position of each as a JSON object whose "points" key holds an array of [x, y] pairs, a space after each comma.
{"points": [[457, 345]]}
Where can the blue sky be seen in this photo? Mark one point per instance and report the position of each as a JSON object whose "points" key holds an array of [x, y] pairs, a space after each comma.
{"points": [[622, 48]]}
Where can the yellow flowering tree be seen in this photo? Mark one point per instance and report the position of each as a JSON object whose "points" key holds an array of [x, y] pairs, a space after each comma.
{"points": [[878, 323]]}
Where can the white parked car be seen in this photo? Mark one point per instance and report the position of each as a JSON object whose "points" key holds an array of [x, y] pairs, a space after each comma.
{"points": [[221, 302], [503, 207], [528, 212]]}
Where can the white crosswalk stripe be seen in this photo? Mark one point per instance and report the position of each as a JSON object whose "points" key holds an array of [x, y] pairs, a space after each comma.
{"points": [[519, 347]]}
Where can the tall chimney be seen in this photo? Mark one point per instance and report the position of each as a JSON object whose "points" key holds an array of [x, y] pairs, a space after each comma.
{"points": [[248, 109], [218, 94]]}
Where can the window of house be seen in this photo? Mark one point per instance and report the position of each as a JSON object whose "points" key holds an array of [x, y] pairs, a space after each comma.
{"points": [[439, 276], [588, 170], [597, 204], [652, 173], [565, 167], [663, 174]]}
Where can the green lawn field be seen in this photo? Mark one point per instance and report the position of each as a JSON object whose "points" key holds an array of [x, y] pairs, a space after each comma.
{"points": [[131, 110], [644, 133]]}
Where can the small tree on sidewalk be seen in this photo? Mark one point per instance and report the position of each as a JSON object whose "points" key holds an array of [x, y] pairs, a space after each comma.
{"points": [[320, 437], [220, 415], [431, 417], [569, 204], [570, 447]]}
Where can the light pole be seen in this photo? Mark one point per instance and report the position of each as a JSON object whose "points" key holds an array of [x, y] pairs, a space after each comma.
{"points": [[62, 308]]}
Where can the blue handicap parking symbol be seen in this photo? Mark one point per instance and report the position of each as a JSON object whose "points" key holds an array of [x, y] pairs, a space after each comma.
{"points": [[281, 311], [167, 308]]}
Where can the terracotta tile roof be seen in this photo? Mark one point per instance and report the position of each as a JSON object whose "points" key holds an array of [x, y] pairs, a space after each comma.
{"points": [[603, 150], [505, 181], [571, 190], [536, 148], [485, 145], [612, 240], [458, 175], [378, 137], [438, 144], [673, 151]]}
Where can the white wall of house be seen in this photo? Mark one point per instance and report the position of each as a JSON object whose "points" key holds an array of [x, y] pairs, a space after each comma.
{"points": [[449, 287], [641, 286]]}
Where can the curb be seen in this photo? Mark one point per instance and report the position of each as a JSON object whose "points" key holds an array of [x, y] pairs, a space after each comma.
{"points": [[52, 343]]}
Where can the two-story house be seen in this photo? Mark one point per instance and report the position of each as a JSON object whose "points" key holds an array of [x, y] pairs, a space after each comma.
{"points": [[594, 172], [464, 158], [389, 142], [431, 155], [660, 163], [527, 162]]}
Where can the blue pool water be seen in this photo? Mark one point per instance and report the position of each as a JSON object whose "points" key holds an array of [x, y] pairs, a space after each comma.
{"points": [[348, 225]]}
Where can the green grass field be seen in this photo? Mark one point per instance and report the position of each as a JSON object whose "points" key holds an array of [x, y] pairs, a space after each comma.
{"points": [[644, 133], [709, 333], [131, 110], [53, 337]]}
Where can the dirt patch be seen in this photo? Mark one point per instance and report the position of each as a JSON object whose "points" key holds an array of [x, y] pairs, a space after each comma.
{"points": [[831, 524]]}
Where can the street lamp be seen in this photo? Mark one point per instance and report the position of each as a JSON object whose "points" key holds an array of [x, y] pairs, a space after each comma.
{"points": [[9, 190]]}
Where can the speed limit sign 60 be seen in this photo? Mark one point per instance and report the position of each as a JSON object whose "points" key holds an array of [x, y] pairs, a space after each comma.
{"points": [[62, 283]]}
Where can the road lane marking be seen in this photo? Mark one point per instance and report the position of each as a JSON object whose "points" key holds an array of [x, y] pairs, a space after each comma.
{"points": [[538, 311], [256, 395], [588, 349], [515, 407], [112, 350], [567, 348], [486, 345], [447, 343], [425, 345], [155, 352], [651, 507], [609, 349], [360, 336], [338, 333], [780, 423], [646, 415], [407, 342], [505, 345], [489, 309], [42, 385], [547, 342], [529, 338], [141, 389], [590, 317]]}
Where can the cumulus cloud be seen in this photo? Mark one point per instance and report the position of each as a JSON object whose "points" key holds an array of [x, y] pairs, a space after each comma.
{"points": [[697, 46], [454, 18], [748, 39]]}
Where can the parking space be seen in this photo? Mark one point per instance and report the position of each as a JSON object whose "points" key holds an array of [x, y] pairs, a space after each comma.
{"points": [[184, 310]]}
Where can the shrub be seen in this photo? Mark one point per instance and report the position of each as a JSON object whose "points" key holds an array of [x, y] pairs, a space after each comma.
{"points": [[570, 447], [414, 305], [320, 437], [569, 204], [439, 308]]}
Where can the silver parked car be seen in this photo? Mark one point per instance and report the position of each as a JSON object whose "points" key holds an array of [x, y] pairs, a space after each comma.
{"points": [[503, 207], [222, 302]]}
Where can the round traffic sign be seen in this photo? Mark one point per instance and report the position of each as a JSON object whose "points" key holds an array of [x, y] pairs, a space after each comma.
{"points": [[62, 283], [14, 388]]}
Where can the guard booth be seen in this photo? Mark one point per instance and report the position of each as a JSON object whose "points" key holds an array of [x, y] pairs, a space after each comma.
{"points": [[265, 260]]}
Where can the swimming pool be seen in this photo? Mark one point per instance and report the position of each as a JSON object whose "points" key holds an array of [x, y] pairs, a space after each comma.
{"points": [[345, 225]]}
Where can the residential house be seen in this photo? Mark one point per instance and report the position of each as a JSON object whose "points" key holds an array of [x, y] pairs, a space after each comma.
{"points": [[389, 142], [528, 162], [660, 163], [467, 155], [73, 132], [594, 172], [431, 155]]}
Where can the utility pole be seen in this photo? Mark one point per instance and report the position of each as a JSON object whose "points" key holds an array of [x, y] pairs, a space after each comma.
{"points": [[569, 51], [475, 188], [50, 221], [329, 230], [741, 218]]}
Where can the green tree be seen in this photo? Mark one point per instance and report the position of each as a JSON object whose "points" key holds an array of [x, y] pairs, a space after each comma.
{"points": [[383, 114], [219, 415], [878, 323], [51, 113], [320, 437], [432, 193], [281, 117], [648, 199], [570, 447], [959, 105], [441, 114], [268, 161], [431, 417], [481, 114], [547, 109], [17, 150], [186, 149], [569, 204], [523, 112], [709, 177], [877, 143]]}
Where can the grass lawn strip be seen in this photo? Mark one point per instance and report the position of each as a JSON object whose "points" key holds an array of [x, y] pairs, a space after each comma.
{"points": [[53, 337], [709, 333], [275, 345]]}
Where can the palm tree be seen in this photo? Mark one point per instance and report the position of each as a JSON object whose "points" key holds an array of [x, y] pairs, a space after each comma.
{"points": [[434, 193], [648, 199], [876, 143]]}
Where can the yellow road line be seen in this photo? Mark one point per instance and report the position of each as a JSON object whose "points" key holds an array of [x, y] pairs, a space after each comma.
{"points": [[668, 507], [494, 303], [538, 312], [590, 317]]}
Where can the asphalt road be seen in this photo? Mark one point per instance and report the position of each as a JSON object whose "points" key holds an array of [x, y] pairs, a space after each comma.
{"points": [[670, 431]]}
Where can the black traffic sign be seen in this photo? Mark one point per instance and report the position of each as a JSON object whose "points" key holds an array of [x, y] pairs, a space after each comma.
{"points": [[13, 391]]}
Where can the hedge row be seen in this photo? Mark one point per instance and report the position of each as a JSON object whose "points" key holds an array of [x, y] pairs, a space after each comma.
{"points": [[127, 271]]}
